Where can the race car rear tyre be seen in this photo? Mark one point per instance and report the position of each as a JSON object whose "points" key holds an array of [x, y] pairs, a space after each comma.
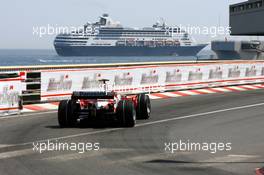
{"points": [[126, 113], [143, 107], [67, 113]]}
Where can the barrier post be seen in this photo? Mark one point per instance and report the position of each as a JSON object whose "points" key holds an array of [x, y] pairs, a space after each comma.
{"points": [[20, 104]]}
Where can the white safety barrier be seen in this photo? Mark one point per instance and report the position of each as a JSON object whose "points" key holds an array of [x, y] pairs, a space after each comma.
{"points": [[10, 92], [58, 84]]}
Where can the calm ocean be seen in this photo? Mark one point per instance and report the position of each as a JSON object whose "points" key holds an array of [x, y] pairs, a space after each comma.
{"points": [[49, 57]]}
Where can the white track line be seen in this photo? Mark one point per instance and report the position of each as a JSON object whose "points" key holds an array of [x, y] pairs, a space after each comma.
{"points": [[88, 154], [26, 115], [227, 159], [17, 153], [231, 158], [4, 145]]}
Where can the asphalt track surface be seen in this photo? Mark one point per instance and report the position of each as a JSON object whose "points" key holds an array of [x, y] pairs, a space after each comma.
{"points": [[237, 118]]}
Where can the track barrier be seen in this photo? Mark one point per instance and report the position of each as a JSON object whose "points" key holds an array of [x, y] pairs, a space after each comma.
{"points": [[39, 84]]}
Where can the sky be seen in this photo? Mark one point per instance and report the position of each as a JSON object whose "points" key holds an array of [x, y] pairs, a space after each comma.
{"points": [[19, 17]]}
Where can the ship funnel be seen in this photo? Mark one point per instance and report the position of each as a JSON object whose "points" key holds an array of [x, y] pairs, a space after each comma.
{"points": [[105, 15]]}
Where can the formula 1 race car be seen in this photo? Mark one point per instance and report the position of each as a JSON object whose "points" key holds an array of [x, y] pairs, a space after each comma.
{"points": [[260, 171], [100, 104]]}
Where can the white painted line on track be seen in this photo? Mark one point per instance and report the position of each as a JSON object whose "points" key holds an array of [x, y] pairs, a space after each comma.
{"points": [[219, 161], [243, 156], [4, 145], [143, 124], [69, 136], [230, 158], [77, 156], [17, 153], [30, 114]]}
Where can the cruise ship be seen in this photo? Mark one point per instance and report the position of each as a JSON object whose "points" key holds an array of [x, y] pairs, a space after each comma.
{"points": [[109, 38]]}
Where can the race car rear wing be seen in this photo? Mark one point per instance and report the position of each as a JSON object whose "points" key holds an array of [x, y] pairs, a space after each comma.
{"points": [[93, 95]]}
